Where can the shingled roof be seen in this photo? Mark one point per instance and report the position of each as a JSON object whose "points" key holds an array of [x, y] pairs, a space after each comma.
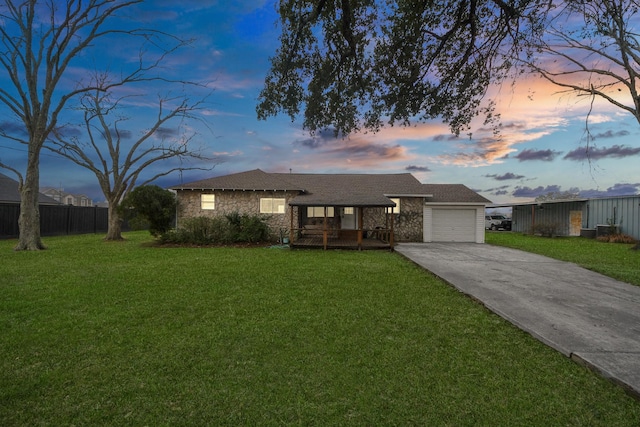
{"points": [[254, 180], [453, 193], [9, 192], [339, 189], [354, 189]]}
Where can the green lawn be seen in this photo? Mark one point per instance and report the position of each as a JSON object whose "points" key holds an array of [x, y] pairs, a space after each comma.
{"points": [[97, 333], [616, 260]]}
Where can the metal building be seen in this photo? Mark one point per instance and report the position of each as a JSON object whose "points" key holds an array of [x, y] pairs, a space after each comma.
{"points": [[577, 217]]}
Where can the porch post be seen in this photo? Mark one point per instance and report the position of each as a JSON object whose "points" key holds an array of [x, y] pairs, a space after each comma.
{"points": [[324, 230], [291, 227], [391, 235], [386, 218], [360, 217]]}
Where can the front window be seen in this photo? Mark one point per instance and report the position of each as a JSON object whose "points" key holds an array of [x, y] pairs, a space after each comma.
{"points": [[318, 211], [271, 206], [208, 201]]}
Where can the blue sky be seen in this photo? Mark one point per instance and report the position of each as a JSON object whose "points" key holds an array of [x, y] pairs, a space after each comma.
{"points": [[541, 146]]}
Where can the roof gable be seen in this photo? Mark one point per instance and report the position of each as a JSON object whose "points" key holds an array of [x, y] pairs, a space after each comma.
{"points": [[453, 193], [9, 192]]}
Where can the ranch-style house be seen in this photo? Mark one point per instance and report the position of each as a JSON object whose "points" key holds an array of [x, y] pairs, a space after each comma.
{"points": [[341, 210]]}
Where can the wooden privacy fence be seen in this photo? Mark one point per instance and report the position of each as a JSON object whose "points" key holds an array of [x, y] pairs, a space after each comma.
{"points": [[56, 220]]}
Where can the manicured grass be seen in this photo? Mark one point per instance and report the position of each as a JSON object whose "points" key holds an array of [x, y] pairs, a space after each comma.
{"points": [[97, 333], [616, 260]]}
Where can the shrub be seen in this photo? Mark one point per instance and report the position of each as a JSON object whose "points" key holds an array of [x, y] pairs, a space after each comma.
{"points": [[233, 228], [153, 205], [248, 228], [545, 229]]}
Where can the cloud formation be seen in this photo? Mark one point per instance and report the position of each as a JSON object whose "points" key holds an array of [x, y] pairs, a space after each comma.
{"points": [[620, 189], [414, 168], [542, 155], [611, 134], [535, 192], [13, 128], [595, 153], [164, 132], [505, 177], [119, 133]]}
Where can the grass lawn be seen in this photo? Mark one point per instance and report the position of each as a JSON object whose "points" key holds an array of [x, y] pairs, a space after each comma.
{"points": [[97, 333], [615, 260]]}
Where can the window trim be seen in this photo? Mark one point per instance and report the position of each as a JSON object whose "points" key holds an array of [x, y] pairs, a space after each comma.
{"points": [[313, 210], [274, 206], [207, 205]]}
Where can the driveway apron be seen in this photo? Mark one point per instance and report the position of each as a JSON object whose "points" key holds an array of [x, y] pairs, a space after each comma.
{"points": [[591, 318]]}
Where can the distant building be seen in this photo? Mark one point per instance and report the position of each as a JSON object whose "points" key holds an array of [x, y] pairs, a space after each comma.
{"points": [[576, 217], [64, 198]]}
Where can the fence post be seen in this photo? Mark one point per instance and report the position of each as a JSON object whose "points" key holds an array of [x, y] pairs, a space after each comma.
{"points": [[68, 219]]}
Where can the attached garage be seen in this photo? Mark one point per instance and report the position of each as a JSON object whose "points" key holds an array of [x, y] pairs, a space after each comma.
{"points": [[453, 213], [454, 224]]}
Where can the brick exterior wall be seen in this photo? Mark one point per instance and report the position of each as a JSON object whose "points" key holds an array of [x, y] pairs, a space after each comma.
{"points": [[408, 224], [243, 202]]}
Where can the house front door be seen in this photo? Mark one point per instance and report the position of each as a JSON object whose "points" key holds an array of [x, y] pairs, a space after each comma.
{"points": [[348, 218]]}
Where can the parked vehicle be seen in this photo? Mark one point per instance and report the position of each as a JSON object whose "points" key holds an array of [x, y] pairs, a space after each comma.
{"points": [[497, 222]]}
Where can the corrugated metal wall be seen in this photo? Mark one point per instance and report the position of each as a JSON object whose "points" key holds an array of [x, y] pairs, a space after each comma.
{"points": [[524, 216], [624, 211]]}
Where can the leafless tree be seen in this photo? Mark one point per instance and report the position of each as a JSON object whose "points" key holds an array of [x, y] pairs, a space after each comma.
{"points": [[592, 48], [105, 148], [39, 41]]}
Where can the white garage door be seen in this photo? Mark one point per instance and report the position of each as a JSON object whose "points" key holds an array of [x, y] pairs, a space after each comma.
{"points": [[454, 225]]}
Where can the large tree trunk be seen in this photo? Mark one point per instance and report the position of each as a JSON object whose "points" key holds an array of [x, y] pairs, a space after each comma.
{"points": [[114, 232], [29, 220]]}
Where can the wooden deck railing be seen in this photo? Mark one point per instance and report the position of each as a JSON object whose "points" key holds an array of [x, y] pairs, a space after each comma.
{"points": [[334, 238]]}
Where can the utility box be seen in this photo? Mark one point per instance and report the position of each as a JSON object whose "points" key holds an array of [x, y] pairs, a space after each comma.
{"points": [[606, 229]]}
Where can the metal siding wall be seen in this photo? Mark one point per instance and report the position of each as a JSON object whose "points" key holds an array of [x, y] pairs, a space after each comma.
{"points": [[554, 213], [625, 209], [521, 219]]}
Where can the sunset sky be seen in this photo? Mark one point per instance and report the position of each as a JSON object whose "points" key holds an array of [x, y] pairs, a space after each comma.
{"points": [[541, 146]]}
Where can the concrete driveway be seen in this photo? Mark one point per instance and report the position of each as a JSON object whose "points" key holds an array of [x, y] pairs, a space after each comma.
{"points": [[590, 318]]}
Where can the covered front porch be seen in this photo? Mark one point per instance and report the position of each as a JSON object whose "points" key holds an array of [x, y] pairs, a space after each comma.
{"points": [[338, 226]]}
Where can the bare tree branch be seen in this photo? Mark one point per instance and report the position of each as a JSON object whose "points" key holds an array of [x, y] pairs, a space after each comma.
{"points": [[117, 164], [39, 41]]}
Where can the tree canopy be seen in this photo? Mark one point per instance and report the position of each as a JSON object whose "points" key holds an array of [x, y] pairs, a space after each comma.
{"points": [[350, 65], [152, 203]]}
